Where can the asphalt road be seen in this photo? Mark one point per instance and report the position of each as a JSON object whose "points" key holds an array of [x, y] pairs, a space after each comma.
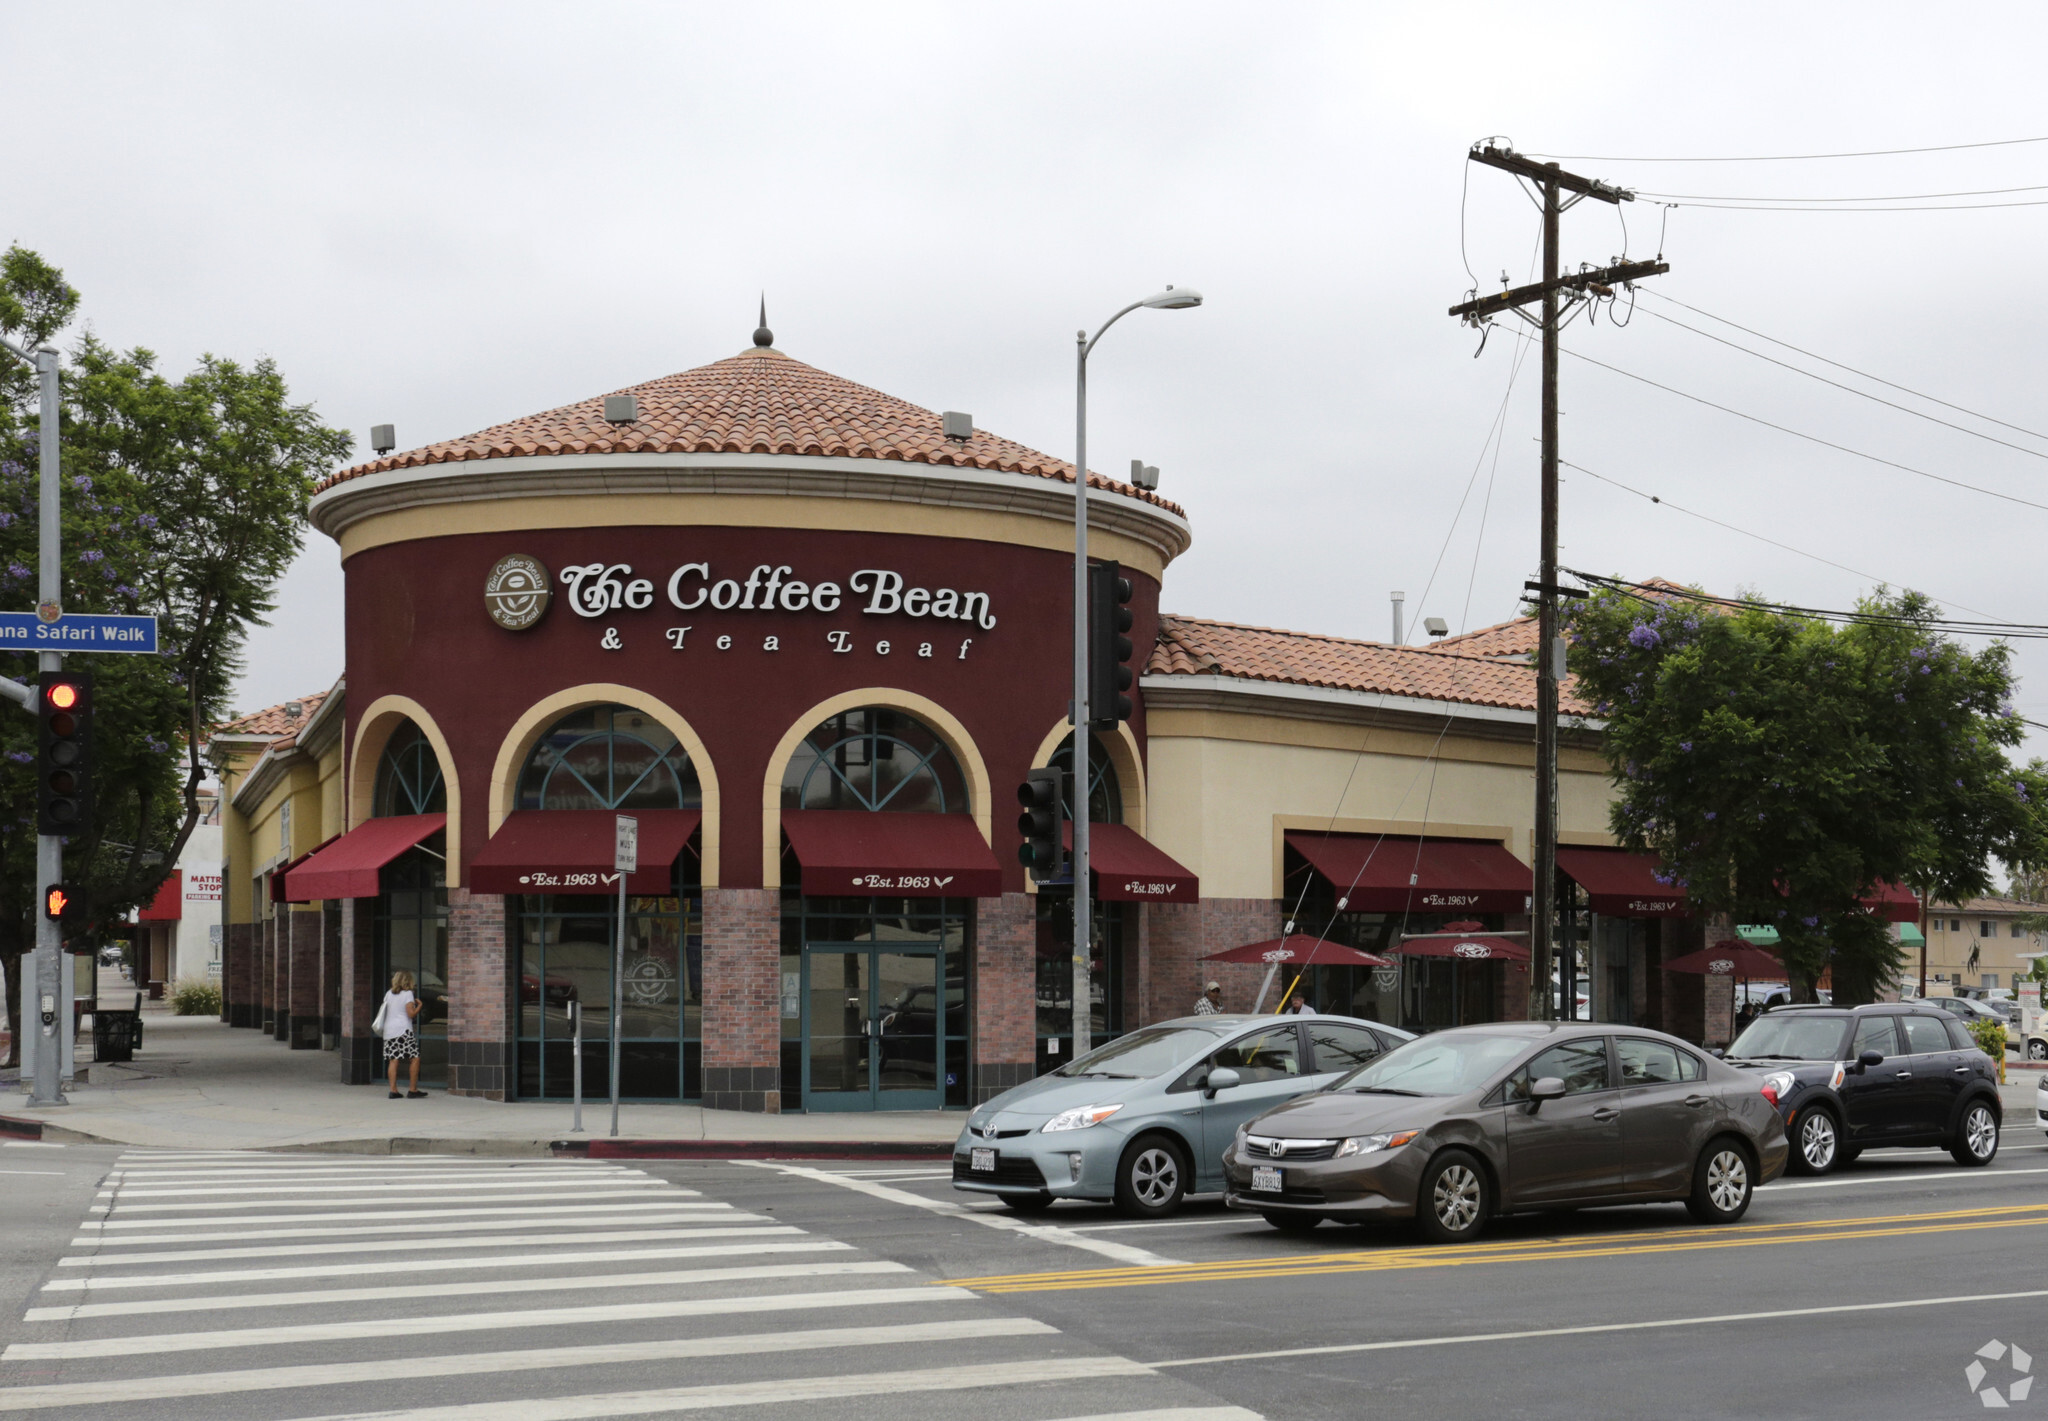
{"points": [[157, 1284]]}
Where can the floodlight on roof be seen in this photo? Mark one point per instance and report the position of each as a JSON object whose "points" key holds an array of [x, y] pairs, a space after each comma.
{"points": [[383, 438], [621, 409], [1436, 626]]}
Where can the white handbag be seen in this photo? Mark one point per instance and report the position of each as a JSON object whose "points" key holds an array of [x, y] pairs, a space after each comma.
{"points": [[377, 1022]]}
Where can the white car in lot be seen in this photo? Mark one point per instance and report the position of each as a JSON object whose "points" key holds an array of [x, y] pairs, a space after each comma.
{"points": [[2041, 1102]]}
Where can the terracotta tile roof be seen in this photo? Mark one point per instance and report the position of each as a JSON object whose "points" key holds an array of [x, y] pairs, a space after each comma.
{"points": [[272, 720], [758, 402], [1189, 646], [1988, 905], [1516, 639]]}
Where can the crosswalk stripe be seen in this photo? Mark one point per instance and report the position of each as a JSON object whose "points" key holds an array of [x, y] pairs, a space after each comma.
{"points": [[438, 1265], [473, 1322], [1174, 1413], [369, 1202], [703, 1208], [534, 1186], [133, 1178], [135, 1389], [638, 1216], [304, 1250], [703, 1398], [495, 1287]]}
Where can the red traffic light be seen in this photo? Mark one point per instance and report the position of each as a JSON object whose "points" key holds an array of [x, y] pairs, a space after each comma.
{"points": [[62, 695], [57, 902]]}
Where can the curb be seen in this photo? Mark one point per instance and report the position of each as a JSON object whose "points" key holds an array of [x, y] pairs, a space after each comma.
{"points": [[21, 1129], [885, 1151]]}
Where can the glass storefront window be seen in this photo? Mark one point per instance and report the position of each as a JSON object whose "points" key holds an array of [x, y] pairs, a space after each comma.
{"points": [[412, 936], [408, 776], [1105, 795], [1055, 975], [874, 759]]}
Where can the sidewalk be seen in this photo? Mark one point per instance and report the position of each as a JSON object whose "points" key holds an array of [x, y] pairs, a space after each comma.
{"points": [[197, 1084]]}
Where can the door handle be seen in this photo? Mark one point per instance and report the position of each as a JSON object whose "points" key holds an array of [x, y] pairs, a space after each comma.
{"points": [[1905, 1075], [1696, 1101], [1605, 1113], [1962, 1070]]}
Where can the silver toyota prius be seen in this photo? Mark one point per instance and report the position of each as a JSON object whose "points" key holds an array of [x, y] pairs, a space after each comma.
{"points": [[1145, 1120]]}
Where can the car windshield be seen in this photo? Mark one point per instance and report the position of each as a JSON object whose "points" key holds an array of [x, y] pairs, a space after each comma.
{"points": [[1790, 1036], [1448, 1063], [1142, 1054]]}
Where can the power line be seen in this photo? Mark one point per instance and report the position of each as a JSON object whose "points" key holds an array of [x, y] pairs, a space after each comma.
{"points": [[1794, 157], [1810, 438], [1663, 502], [1850, 389], [2025, 631], [1864, 374], [1928, 207], [1881, 197]]}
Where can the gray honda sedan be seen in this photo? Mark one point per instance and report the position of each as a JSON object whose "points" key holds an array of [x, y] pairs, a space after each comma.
{"points": [[1145, 1119], [1457, 1127]]}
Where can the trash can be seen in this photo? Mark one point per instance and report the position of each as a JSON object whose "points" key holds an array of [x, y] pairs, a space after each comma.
{"points": [[113, 1035]]}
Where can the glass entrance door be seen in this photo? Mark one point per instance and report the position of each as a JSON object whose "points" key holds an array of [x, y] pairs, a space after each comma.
{"points": [[874, 1029]]}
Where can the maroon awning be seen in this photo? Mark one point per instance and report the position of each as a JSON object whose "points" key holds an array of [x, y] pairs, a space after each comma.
{"points": [[1894, 902], [1621, 884], [570, 851], [1393, 873], [1478, 947], [347, 865], [1124, 867], [855, 852], [1301, 950], [168, 906]]}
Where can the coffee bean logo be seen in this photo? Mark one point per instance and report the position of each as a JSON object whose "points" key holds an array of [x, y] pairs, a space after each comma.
{"points": [[516, 593]]}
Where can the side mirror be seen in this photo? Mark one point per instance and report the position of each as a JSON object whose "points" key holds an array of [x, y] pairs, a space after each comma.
{"points": [[1719, 1053], [1868, 1059], [1222, 1078], [1548, 1088]]}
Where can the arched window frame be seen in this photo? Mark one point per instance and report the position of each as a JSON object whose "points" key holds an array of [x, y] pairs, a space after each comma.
{"points": [[674, 758], [827, 741], [409, 777], [1103, 780]]}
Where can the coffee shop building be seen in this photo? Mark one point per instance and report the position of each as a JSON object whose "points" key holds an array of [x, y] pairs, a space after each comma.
{"points": [[811, 638]]}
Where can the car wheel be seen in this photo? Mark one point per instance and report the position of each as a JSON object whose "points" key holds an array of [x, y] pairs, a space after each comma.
{"points": [[1722, 1183], [1455, 1198], [2037, 1050], [1293, 1223], [1817, 1146], [1027, 1203], [1977, 1137], [1151, 1178]]}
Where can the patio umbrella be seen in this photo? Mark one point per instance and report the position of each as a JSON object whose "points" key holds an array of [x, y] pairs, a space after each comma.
{"points": [[1296, 950], [1472, 947], [1731, 959]]}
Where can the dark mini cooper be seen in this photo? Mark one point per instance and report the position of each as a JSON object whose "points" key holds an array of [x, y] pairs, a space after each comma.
{"points": [[1452, 1129], [1850, 1079]]}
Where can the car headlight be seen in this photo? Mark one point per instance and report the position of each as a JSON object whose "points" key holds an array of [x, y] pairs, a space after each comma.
{"points": [[1372, 1144], [1777, 1085], [1080, 1118]]}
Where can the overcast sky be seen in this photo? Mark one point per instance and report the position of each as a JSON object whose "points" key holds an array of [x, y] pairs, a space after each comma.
{"points": [[444, 216]]}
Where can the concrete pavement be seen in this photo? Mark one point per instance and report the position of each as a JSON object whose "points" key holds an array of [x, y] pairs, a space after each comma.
{"points": [[199, 1085]]}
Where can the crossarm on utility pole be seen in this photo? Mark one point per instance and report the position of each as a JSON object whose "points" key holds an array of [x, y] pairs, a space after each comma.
{"points": [[1484, 306], [1507, 160]]}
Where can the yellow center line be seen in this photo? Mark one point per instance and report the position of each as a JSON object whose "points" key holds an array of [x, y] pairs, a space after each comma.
{"points": [[1609, 1245]]}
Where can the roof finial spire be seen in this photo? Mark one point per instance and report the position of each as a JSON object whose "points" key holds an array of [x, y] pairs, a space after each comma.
{"points": [[762, 335]]}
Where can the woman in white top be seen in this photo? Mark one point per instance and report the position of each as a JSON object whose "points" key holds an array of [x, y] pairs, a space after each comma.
{"points": [[397, 1023]]}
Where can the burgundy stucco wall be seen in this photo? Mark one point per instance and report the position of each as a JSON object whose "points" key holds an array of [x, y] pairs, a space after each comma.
{"points": [[418, 627]]}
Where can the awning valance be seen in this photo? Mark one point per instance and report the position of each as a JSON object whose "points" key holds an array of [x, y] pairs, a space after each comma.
{"points": [[347, 866], [1124, 867], [1620, 884], [570, 851], [168, 906], [1395, 873], [854, 852], [1475, 947]]}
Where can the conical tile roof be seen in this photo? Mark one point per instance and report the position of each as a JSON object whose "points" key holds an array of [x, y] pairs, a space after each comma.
{"points": [[758, 402]]}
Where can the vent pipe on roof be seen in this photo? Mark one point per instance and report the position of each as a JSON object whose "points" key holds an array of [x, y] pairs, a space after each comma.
{"points": [[1399, 598]]}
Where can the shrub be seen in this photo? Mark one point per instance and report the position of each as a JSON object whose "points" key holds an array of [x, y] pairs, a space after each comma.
{"points": [[1990, 1037], [195, 996]]}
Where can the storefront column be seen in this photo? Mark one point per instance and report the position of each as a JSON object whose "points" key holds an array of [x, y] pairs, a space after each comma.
{"points": [[330, 976], [479, 1035], [266, 928], [361, 992], [1180, 935], [238, 986], [1005, 994], [302, 977], [742, 999]]}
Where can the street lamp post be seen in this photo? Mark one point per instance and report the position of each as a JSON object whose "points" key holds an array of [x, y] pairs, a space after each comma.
{"points": [[1168, 300]]}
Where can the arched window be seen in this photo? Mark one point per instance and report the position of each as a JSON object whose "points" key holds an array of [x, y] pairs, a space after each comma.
{"points": [[1105, 794], [609, 757], [876, 759], [409, 776]]}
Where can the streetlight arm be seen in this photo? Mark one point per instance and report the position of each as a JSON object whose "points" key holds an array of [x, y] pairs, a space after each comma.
{"points": [[15, 691], [1105, 327]]}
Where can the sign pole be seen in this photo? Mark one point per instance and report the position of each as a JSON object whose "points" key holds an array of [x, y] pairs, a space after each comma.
{"points": [[576, 1062], [625, 861], [48, 1029]]}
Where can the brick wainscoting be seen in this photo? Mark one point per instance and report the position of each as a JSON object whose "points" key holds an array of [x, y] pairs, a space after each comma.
{"points": [[303, 927], [361, 1053], [238, 975], [478, 1033], [1180, 935], [743, 1011], [1005, 994]]}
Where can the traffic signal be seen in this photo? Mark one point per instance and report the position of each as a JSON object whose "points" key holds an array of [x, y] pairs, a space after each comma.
{"points": [[1109, 645], [64, 753], [1042, 794], [60, 904]]}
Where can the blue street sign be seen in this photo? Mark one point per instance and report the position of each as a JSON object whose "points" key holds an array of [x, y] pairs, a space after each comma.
{"points": [[77, 631]]}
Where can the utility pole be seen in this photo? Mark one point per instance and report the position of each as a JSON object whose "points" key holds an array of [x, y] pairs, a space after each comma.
{"points": [[1558, 294]]}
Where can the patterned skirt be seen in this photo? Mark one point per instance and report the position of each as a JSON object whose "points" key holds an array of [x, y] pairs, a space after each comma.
{"points": [[402, 1048]]}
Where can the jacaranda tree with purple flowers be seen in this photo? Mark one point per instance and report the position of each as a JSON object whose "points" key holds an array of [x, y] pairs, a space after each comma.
{"points": [[184, 499], [1782, 767]]}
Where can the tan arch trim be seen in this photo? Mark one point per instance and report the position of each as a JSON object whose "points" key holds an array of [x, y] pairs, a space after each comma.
{"points": [[374, 729], [1123, 758], [942, 722], [527, 730]]}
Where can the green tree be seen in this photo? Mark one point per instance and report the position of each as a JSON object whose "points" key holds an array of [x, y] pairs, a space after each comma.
{"points": [[184, 499], [1782, 767]]}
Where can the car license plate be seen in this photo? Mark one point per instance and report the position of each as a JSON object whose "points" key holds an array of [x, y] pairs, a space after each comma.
{"points": [[1266, 1180], [984, 1161]]}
